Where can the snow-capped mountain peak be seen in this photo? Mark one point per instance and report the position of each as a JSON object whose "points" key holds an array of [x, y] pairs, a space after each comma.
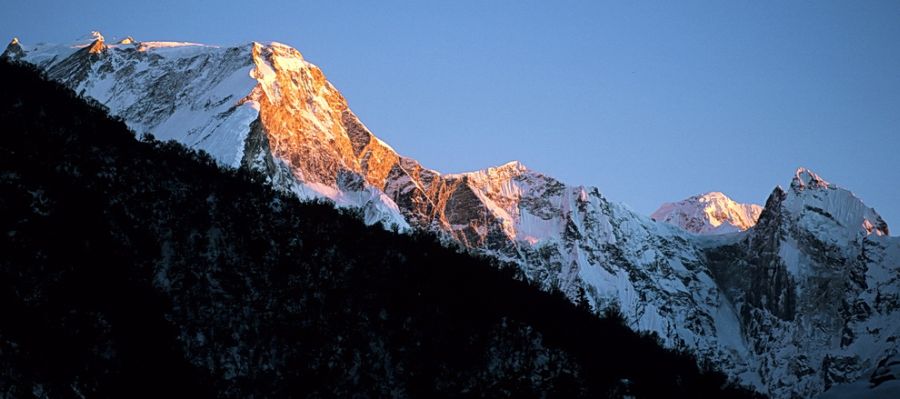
{"points": [[94, 41], [832, 213], [807, 179], [256, 105], [97, 46], [515, 165], [511, 168], [90, 37], [710, 213], [814, 241]]}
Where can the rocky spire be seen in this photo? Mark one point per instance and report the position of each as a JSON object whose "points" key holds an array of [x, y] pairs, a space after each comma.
{"points": [[13, 51]]}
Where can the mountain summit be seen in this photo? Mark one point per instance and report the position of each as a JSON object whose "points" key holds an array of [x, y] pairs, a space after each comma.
{"points": [[831, 212], [735, 300], [13, 50], [817, 284], [710, 213], [804, 178]]}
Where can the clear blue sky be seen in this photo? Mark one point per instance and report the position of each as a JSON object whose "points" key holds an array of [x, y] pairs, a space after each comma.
{"points": [[650, 102]]}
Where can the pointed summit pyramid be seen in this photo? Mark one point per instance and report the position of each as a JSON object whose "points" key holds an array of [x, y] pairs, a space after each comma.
{"points": [[14, 50], [805, 178], [98, 45], [832, 213], [811, 278]]}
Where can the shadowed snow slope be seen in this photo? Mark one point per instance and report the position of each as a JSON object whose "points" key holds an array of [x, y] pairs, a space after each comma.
{"points": [[750, 302], [881, 382]]}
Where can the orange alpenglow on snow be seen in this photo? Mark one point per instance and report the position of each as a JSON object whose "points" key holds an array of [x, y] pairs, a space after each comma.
{"points": [[710, 213], [97, 46]]}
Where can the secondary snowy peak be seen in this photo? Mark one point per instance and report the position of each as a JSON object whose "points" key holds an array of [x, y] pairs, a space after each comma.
{"points": [[511, 167], [830, 212], [89, 38], [710, 213], [95, 42], [13, 50]]}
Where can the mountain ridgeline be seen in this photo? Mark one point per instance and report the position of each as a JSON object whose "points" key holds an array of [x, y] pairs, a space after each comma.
{"points": [[141, 268], [750, 301]]}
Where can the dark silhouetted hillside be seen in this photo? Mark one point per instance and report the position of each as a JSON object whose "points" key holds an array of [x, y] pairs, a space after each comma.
{"points": [[139, 268]]}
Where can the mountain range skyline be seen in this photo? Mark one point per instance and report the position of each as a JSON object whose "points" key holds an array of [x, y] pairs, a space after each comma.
{"points": [[427, 88], [293, 299], [87, 39], [747, 301], [712, 212]]}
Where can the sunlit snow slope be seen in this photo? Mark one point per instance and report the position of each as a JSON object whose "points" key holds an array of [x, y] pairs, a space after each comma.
{"points": [[257, 105], [710, 213]]}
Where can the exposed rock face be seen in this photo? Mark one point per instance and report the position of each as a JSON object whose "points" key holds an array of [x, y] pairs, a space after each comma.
{"points": [[752, 303], [815, 285], [881, 382], [710, 213]]}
